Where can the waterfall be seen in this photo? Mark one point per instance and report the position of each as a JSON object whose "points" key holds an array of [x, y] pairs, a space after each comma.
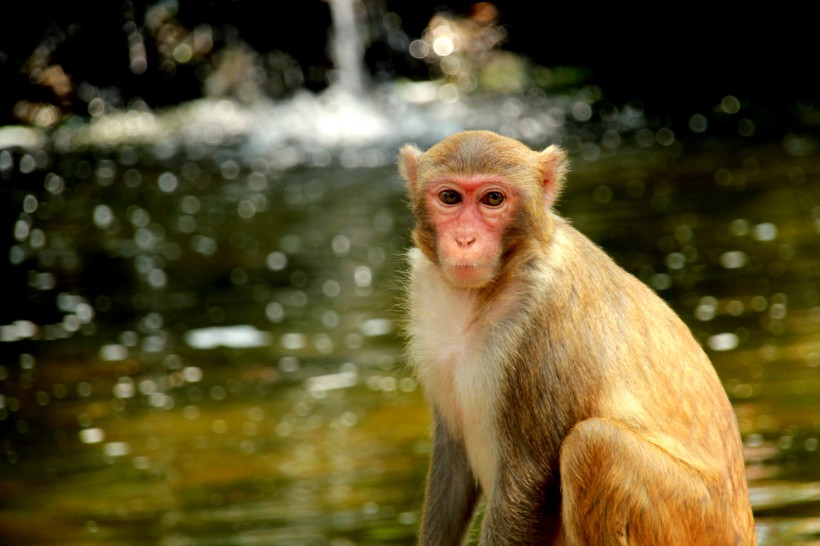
{"points": [[348, 117], [347, 50]]}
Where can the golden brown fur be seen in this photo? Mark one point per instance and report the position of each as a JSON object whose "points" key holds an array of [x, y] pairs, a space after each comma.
{"points": [[563, 389]]}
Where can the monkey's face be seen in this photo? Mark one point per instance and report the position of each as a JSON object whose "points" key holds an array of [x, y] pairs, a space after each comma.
{"points": [[470, 215], [477, 197]]}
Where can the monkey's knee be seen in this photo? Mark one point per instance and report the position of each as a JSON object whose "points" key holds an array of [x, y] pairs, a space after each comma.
{"points": [[595, 445], [618, 488], [593, 480]]}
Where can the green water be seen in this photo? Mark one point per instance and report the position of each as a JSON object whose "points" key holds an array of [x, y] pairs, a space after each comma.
{"points": [[204, 350]]}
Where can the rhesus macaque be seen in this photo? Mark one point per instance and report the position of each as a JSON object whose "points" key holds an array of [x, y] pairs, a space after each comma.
{"points": [[562, 389]]}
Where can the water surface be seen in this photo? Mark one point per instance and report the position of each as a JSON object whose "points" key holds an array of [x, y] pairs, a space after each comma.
{"points": [[203, 348]]}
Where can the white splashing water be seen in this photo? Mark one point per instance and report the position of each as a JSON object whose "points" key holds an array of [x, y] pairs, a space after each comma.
{"points": [[345, 117]]}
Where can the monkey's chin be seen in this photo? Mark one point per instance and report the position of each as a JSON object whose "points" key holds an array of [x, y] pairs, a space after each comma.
{"points": [[468, 275]]}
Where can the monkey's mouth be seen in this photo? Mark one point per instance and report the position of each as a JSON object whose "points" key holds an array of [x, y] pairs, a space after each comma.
{"points": [[467, 268], [470, 274]]}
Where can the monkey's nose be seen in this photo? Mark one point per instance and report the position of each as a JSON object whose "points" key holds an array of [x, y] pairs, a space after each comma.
{"points": [[465, 240]]}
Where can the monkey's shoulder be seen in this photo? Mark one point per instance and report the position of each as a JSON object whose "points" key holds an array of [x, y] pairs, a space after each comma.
{"points": [[573, 259]]}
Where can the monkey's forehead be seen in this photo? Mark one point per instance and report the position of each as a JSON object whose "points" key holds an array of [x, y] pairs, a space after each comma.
{"points": [[478, 152], [483, 166]]}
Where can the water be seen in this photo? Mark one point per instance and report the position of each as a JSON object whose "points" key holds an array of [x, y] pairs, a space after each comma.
{"points": [[200, 342], [244, 399], [202, 350]]}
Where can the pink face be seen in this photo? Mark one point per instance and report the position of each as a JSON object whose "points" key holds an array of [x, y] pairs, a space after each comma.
{"points": [[470, 215]]}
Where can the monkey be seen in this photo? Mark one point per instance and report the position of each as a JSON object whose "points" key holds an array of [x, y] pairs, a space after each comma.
{"points": [[563, 391]]}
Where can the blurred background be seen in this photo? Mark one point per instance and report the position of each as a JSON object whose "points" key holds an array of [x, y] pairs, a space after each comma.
{"points": [[202, 231]]}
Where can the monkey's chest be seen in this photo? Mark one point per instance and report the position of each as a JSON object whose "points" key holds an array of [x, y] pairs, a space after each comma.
{"points": [[460, 378]]}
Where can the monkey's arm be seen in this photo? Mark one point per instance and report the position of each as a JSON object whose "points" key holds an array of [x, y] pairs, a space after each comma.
{"points": [[451, 490]]}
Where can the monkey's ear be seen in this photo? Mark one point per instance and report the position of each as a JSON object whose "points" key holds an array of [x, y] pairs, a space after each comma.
{"points": [[408, 164], [553, 166]]}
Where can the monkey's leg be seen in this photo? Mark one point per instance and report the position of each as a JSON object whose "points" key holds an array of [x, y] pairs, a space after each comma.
{"points": [[618, 488]]}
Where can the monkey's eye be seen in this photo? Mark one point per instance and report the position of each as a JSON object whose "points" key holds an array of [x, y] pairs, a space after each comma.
{"points": [[493, 198], [449, 197]]}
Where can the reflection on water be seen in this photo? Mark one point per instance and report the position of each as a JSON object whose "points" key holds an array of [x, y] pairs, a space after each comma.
{"points": [[204, 349], [196, 349]]}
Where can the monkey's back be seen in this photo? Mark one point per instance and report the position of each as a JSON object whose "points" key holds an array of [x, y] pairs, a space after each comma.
{"points": [[612, 348]]}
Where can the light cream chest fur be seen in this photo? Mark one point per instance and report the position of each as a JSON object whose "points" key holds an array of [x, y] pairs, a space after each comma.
{"points": [[459, 373]]}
